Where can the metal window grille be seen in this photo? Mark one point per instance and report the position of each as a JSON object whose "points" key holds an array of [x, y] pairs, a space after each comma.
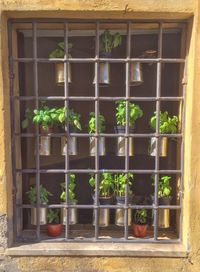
{"points": [[158, 61]]}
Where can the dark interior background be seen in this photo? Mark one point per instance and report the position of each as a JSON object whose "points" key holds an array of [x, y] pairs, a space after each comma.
{"points": [[82, 84]]}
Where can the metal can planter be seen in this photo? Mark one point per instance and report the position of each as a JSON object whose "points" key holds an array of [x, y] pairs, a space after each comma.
{"points": [[120, 215], [136, 77], [45, 145], [162, 146], [42, 216], [121, 150], [59, 70], [72, 145], [163, 218], [104, 217], [73, 218], [104, 74], [102, 148]]}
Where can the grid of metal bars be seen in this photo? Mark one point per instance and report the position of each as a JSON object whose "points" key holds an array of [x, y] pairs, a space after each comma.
{"points": [[96, 98]]}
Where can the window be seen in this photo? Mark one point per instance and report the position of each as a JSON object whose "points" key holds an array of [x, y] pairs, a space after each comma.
{"points": [[97, 123]]}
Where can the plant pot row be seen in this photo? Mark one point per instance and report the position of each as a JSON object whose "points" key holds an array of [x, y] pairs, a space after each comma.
{"points": [[45, 146], [136, 77]]}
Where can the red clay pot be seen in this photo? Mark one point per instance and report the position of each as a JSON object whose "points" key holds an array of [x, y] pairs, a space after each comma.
{"points": [[54, 230], [139, 230]]}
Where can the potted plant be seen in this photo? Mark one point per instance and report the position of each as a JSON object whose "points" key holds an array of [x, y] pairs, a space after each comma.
{"points": [[74, 125], [164, 198], [92, 129], [46, 118], [105, 196], [167, 125], [108, 42], [135, 112], [54, 228], [72, 200], [32, 196], [120, 182], [59, 52], [139, 227]]}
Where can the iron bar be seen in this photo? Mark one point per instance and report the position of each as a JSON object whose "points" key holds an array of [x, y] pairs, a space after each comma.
{"points": [[128, 47], [100, 98], [172, 207], [66, 92], [111, 135], [97, 59], [96, 211], [93, 171], [35, 76], [157, 158]]}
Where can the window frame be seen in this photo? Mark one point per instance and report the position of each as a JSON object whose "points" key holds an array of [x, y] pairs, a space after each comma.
{"points": [[159, 60]]}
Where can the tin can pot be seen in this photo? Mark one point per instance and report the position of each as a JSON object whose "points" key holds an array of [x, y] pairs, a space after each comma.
{"points": [[59, 73], [104, 74], [45, 145], [120, 215], [73, 218], [104, 217], [121, 150], [104, 213], [163, 218], [72, 145], [136, 76], [42, 216], [102, 148], [162, 146]]}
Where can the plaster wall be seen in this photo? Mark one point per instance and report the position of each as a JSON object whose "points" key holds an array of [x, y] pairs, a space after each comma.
{"points": [[191, 220]]}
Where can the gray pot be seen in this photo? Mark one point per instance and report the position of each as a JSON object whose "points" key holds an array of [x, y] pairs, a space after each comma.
{"points": [[136, 77], [163, 218], [42, 216], [59, 73], [73, 218], [162, 145], [120, 213], [121, 150], [104, 74], [104, 217], [72, 145], [102, 148], [45, 145]]}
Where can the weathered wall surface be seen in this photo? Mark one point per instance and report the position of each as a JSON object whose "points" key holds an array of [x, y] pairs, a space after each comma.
{"points": [[191, 220]]}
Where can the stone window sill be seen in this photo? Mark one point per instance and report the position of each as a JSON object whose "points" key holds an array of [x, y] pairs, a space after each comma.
{"points": [[98, 249]]}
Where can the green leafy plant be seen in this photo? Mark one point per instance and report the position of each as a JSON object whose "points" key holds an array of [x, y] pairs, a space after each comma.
{"points": [[59, 52], [140, 217], [53, 216], [44, 194], [71, 187], [109, 41], [43, 116], [135, 112], [92, 123], [105, 184], [120, 181], [164, 188], [74, 118], [167, 124]]}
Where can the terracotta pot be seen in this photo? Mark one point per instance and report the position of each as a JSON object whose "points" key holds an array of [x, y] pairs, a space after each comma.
{"points": [[54, 229], [139, 230]]}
